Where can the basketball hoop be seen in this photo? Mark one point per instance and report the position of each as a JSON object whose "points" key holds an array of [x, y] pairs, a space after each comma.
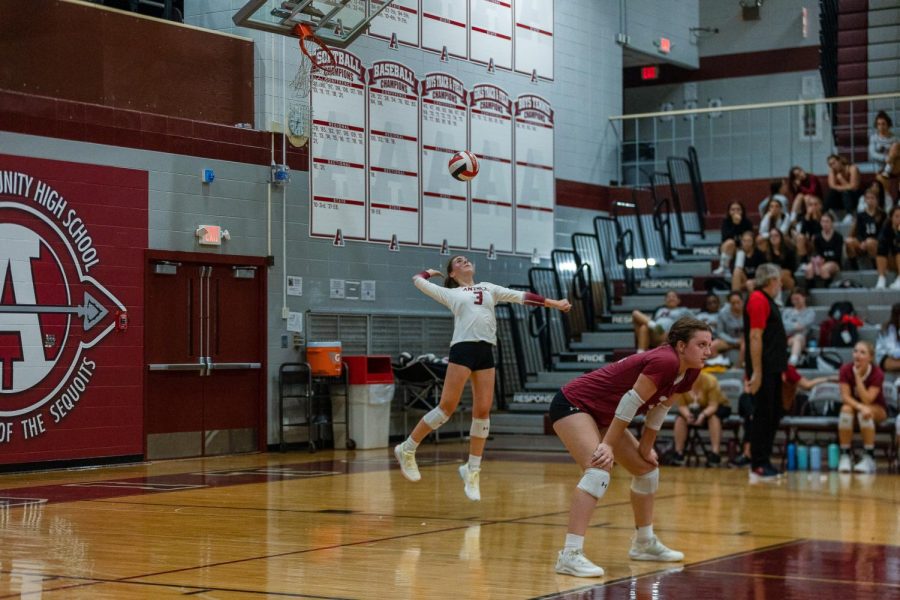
{"points": [[316, 56]]}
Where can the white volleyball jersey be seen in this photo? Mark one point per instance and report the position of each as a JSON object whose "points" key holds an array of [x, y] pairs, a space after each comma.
{"points": [[472, 308]]}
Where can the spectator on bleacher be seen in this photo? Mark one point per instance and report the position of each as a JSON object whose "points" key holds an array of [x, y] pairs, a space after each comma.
{"points": [[733, 226], [651, 332], [889, 250], [884, 148], [798, 319], [702, 405], [791, 381], [887, 347], [863, 238], [884, 199], [803, 186], [730, 331], [843, 186], [751, 254], [828, 250], [808, 226], [778, 190], [780, 253], [710, 312], [860, 382], [766, 344], [774, 217]]}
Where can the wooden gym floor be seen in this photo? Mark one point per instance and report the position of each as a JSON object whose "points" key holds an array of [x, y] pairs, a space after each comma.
{"points": [[347, 525]]}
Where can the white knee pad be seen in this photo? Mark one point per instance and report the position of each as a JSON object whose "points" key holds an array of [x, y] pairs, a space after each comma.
{"points": [[867, 423], [480, 428], [435, 417], [646, 483], [594, 482], [845, 420]]}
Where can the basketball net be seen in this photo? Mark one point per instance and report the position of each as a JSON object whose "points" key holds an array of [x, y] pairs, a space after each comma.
{"points": [[315, 57]]}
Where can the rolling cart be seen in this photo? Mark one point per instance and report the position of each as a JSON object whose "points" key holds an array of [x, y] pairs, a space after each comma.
{"points": [[314, 394]]}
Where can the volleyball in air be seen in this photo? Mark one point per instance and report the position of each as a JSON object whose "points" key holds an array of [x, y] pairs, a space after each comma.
{"points": [[463, 165]]}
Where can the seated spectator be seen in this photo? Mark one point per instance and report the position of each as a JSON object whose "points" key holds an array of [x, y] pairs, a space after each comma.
{"points": [[860, 382], [887, 348], [733, 226], [778, 190], [780, 253], [885, 202], [748, 257], [650, 333], [702, 405], [889, 250], [828, 250], [730, 330], [843, 184], [774, 217], [710, 312], [863, 238], [792, 380], [803, 186], [884, 149], [797, 319], [808, 226]]}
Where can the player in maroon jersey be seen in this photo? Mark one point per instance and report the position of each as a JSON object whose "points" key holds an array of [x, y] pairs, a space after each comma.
{"points": [[591, 415]]}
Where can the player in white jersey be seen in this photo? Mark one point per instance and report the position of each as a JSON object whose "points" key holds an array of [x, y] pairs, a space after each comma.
{"points": [[471, 356]]}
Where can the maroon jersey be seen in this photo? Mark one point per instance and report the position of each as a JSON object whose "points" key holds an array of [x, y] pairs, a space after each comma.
{"points": [[874, 378], [598, 392]]}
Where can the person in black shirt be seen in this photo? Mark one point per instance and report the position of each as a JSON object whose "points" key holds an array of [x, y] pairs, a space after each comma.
{"points": [[780, 253], [828, 250], [863, 238], [751, 255], [734, 225], [889, 250], [808, 227]]}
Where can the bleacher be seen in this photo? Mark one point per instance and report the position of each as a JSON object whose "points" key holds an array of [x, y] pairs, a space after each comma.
{"points": [[660, 239]]}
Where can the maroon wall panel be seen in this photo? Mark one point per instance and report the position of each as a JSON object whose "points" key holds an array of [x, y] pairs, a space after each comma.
{"points": [[72, 238], [86, 53]]}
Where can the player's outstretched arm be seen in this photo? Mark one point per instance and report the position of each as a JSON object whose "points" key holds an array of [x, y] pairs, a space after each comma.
{"points": [[434, 291]]}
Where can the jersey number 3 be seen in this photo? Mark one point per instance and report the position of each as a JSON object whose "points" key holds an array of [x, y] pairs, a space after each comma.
{"points": [[479, 297]]}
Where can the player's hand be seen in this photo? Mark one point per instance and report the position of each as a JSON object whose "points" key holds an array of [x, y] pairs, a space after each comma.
{"points": [[755, 383], [699, 420], [865, 412], [563, 305], [650, 456], [603, 456], [433, 273]]}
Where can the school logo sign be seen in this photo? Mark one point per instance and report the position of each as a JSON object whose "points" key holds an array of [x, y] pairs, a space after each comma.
{"points": [[56, 315]]}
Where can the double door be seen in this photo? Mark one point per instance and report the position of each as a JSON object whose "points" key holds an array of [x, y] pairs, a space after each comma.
{"points": [[204, 352]]}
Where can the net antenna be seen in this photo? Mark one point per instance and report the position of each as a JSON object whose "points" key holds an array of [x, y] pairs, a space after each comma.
{"points": [[315, 58]]}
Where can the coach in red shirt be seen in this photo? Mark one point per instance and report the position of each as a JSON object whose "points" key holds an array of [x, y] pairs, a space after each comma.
{"points": [[766, 344]]}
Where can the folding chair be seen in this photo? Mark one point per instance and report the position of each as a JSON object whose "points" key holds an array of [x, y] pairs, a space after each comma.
{"points": [[420, 386], [825, 399]]}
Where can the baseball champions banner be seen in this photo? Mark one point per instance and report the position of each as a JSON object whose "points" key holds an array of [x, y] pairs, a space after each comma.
{"points": [[72, 241]]}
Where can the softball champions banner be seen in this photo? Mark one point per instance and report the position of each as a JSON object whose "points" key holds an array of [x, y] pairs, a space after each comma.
{"points": [[381, 140], [72, 241]]}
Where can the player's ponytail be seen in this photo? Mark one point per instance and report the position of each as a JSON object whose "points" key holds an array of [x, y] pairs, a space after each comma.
{"points": [[449, 282]]}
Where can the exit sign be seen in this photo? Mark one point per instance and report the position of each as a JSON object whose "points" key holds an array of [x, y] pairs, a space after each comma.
{"points": [[648, 73], [665, 45]]}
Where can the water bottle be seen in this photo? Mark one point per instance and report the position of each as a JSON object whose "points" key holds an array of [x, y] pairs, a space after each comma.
{"points": [[834, 456], [812, 344], [792, 457], [802, 458], [815, 458]]}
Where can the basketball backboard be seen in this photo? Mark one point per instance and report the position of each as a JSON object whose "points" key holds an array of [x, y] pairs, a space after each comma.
{"points": [[336, 22]]}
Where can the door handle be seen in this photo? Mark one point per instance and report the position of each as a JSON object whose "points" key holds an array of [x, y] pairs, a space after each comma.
{"points": [[176, 367], [223, 366]]}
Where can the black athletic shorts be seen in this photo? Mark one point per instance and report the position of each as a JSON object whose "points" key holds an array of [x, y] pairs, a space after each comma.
{"points": [[561, 407], [475, 356]]}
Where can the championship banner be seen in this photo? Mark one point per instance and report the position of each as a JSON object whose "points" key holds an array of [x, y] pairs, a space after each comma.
{"points": [[72, 241], [338, 150], [535, 183]]}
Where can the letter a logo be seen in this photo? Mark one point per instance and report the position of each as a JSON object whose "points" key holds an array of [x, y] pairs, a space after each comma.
{"points": [[394, 246], [445, 56], [338, 239], [394, 45]]}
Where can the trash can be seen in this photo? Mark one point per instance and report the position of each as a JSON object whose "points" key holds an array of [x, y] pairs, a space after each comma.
{"points": [[370, 395]]}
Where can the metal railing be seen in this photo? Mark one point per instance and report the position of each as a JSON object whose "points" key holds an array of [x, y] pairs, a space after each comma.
{"points": [[749, 141]]}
